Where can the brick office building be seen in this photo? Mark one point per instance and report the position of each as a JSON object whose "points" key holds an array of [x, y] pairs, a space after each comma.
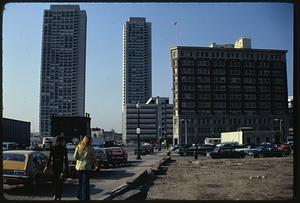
{"points": [[223, 87]]}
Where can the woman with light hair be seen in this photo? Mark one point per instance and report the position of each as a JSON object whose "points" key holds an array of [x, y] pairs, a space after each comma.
{"points": [[85, 161]]}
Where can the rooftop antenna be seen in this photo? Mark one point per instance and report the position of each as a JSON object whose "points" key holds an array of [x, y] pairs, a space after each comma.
{"points": [[177, 32]]}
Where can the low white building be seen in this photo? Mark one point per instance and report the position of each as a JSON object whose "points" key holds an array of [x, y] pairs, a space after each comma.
{"points": [[155, 121]]}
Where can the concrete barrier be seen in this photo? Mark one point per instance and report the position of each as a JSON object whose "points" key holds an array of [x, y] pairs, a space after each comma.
{"points": [[134, 189]]}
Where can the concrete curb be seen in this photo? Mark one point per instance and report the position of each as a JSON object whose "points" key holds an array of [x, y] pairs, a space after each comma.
{"points": [[162, 162], [133, 189]]}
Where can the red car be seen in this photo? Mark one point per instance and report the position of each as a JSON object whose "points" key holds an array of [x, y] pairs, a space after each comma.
{"points": [[285, 149], [119, 155]]}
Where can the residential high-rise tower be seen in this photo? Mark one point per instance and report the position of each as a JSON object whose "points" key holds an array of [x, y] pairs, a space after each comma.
{"points": [[137, 74], [137, 85], [62, 90]]}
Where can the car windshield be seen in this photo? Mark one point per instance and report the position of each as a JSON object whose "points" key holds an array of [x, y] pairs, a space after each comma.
{"points": [[99, 151], [260, 147], [14, 157], [71, 150]]}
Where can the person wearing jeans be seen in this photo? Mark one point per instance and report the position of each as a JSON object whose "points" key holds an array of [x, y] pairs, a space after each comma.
{"points": [[85, 160], [59, 158]]}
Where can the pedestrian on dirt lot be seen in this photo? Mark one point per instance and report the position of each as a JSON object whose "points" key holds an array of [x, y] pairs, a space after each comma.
{"points": [[196, 152], [59, 157], [85, 162]]}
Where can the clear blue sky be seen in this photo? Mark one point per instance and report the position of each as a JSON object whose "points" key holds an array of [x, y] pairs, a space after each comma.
{"points": [[269, 25]]}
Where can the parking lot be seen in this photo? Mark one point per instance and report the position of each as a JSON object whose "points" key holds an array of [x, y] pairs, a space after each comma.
{"points": [[101, 183]]}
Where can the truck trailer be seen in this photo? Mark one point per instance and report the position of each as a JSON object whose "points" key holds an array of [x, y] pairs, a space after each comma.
{"points": [[243, 137]]}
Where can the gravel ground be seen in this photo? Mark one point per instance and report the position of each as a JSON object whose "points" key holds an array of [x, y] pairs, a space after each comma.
{"points": [[226, 179]]}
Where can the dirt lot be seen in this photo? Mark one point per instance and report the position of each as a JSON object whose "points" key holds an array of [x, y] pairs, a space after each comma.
{"points": [[226, 179]]}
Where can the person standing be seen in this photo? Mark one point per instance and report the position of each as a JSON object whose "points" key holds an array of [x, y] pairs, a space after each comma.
{"points": [[85, 161], [59, 157]]}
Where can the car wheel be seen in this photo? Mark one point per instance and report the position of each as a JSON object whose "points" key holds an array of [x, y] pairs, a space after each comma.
{"points": [[185, 153], [260, 156]]}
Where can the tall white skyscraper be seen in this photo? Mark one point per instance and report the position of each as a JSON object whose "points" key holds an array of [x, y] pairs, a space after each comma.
{"points": [[137, 73], [62, 90]]}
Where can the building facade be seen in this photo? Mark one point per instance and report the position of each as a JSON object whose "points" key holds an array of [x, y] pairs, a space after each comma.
{"points": [[137, 73], [155, 121], [62, 90], [16, 131], [218, 89]]}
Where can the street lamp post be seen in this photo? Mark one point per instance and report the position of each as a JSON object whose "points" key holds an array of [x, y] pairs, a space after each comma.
{"points": [[280, 125], [159, 138], [185, 127], [138, 131]]}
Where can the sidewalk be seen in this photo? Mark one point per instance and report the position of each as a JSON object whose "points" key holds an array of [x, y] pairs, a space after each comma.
{"points": [[102, 184]]}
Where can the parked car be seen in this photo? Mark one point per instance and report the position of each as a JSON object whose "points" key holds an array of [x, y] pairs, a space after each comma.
{"points": [[201, 149], [285, 149], [173, 148], [119, 155], [10, 145], [206, 148], [247, 149], [24, 167], [101, 158], [149, 147], [266, 151], [143, 150], [225, 152], [72, 162], [109, 144], [107, 161]]}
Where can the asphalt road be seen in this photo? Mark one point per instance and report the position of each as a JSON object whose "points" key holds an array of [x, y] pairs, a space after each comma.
{"points": [[101, 183]]}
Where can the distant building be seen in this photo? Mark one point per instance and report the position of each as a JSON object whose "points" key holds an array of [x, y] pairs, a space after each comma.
{"points": [[155, 121], [137, 71], [100, 135], [71, 127], [62, 87], [221, 89], [97, 135], [35, 139], [16, 131]]}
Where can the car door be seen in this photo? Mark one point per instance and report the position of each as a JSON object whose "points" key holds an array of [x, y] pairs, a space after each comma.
{"points": [[37, 166], [221, 153], [228, 152]]}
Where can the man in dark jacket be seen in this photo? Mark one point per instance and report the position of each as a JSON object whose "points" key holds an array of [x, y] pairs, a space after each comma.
{"points": [[59, 157]]}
